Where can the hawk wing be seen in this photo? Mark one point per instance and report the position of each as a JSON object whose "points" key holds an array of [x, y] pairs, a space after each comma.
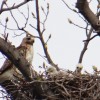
{"points": [[8, 64], [23, 50]]}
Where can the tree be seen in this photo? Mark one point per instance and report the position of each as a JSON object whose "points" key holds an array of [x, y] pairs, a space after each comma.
{"points": [[53, 83]]}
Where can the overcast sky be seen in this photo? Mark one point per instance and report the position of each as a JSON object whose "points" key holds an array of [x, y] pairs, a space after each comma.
{"points": [[66, 43]]}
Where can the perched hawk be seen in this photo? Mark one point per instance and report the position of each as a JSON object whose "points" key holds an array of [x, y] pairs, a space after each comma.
{"points": [[8, 71]]}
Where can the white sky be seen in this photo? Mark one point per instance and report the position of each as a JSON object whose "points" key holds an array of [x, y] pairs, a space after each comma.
{"points": [[66, 43]]}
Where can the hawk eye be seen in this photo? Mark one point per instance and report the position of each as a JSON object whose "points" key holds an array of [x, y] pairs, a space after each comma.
{"points": [[28, 38]]}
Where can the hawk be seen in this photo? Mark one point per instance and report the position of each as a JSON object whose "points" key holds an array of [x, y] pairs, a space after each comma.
{"points": [[8, 71]]}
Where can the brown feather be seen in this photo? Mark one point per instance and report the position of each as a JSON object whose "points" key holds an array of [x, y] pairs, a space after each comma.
{"points": [[8, 70], [7, 64]]}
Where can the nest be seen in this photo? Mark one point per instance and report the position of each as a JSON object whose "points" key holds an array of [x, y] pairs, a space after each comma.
{"points": [[63, 85], [76, 86]]}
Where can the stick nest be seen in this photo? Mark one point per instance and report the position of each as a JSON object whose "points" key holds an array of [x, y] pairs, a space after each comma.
{"points": [[65, 85]]}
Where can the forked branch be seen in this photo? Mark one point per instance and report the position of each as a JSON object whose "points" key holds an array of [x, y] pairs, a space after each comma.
{"points": [[42, 39]]}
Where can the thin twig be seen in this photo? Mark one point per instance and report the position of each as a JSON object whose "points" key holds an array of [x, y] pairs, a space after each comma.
{"points": [[42, 39], [46, 16], [14, 7], [85, 46], [26, 18]]}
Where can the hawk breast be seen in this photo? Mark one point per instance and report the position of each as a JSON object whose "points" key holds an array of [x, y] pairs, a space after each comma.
{"points": [[29, 54]]}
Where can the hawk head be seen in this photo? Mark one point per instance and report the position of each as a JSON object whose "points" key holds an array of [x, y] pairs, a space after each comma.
{"points": [[29, 39]]}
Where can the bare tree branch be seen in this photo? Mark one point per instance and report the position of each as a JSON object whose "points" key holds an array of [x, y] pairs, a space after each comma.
{"points": [[19, 61], [14, 7], [85, 46], [41, 38], [71, 22], [84, 9]]}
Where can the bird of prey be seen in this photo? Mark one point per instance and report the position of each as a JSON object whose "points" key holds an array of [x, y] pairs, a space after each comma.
{"points": [[79, 68], [8, 71], [52, 72]]}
